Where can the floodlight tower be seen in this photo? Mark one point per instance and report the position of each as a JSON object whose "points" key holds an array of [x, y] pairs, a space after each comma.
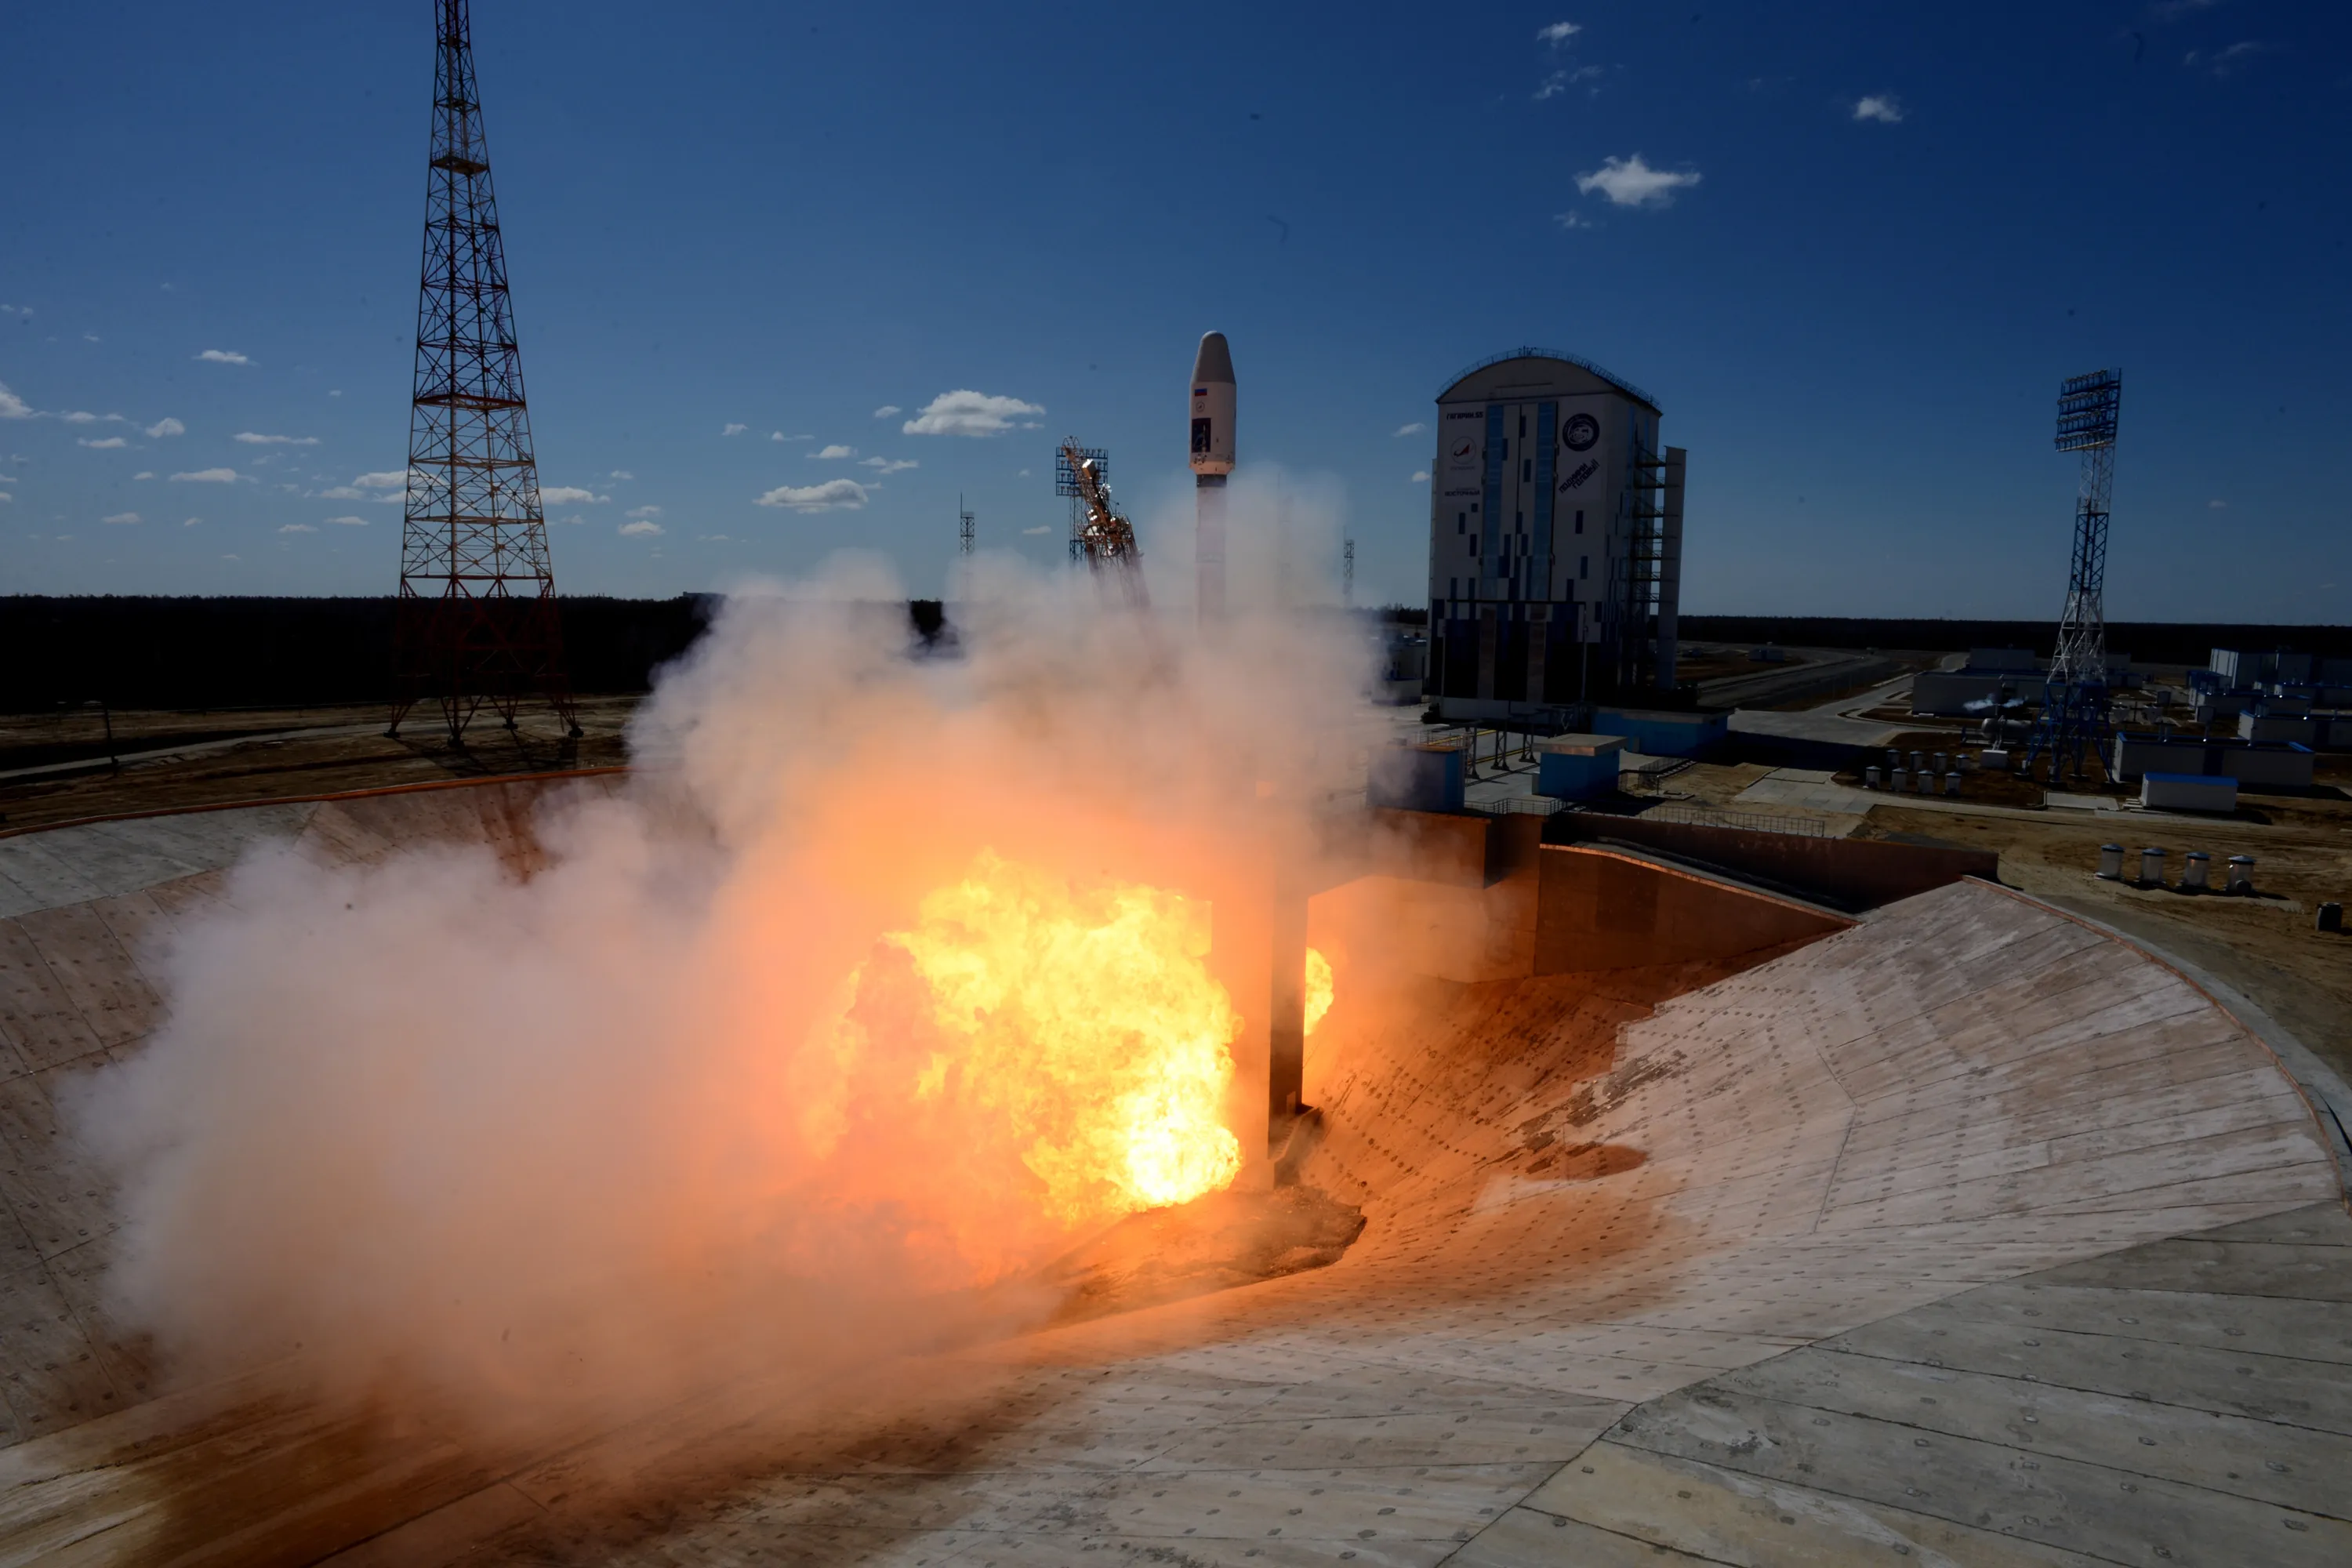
{"points": [[475, 622], [2075, 696], [964, 533]]}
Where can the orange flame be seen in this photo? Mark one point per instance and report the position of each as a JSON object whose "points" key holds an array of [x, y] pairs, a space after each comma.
{"points": [[1080, 1029], [1318, 988]]}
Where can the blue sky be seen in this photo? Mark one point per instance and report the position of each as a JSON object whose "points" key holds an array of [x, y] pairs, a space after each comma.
{"points": [[1850, 248]]}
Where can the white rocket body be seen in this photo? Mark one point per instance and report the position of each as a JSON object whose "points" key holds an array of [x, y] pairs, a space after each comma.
{"points": [[1213, 459]]}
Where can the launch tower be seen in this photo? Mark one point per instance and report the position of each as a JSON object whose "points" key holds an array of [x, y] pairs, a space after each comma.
{"points": [[477, 619]]}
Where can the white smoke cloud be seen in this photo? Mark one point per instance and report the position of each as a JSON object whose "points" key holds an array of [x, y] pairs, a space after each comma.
{"points": [[521, 1151]]}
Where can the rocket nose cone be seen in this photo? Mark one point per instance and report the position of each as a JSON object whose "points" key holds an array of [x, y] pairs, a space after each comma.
{"points": [[1215, 360]]}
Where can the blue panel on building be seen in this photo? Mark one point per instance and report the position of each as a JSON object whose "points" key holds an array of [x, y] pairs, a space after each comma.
{"points": [[1416, 778], [1664, 734]]}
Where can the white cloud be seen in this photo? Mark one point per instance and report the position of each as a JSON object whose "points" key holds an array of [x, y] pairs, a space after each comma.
{"points": [[6, 500], [145, 474], [82, 416], [334, 392], [223, 356], [570, 495], [1883, 107], [968, 413], [191, 522], [1041, 528], [643, 528], [734, 430], [121, 517], [886, 410], [1557, 33], [1631, 182], [889, 465], [210, 477], [780, 436], [621, 474], [251, 439], [1420, 476], [835, 453], [1573, 220], [2216, 506], [1415, 429], [91, 338], [645, 511], [1553, 85], [2228, 59], [297, 528], [12, 406], [842, 494], [165, 427], [107, 443], [347, 521], [389, 479], [343, 492], [713, 539]]}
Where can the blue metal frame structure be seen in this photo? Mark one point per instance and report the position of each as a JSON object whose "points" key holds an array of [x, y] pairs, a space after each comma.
{"points": [[2075, 696]]}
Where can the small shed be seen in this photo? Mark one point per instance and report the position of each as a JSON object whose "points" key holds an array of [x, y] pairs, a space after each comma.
{"points": [[2189, 792], [1578, 767]]}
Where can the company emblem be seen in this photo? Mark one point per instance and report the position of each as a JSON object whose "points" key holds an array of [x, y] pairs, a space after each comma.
{"points": [[1464, 453], [1580, 431]]}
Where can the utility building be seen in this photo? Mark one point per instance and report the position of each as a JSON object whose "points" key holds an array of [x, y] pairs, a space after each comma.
{"points": [[1556, 538]]}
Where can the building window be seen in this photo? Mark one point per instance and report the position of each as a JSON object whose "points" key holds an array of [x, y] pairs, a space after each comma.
{"points": [[1527, 466], [1580, 523], [1584, 566], [1461, 522]]}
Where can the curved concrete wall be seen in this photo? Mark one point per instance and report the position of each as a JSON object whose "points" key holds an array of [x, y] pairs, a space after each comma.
{"points": [[1584, 1194]]}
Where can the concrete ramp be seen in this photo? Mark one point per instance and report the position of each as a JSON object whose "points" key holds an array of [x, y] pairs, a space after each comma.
{"points": [[1631, 1234]]}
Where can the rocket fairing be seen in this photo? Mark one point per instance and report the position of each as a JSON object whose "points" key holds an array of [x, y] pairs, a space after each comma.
{"points": [[1213, 407], [1213, 459]]}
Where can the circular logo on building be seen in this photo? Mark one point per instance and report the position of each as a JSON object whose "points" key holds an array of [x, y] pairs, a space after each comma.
{"points": [[1464, 453], [1580, 431]]}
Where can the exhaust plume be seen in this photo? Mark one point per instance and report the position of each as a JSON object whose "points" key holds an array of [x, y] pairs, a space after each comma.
{"points": [[886, 978]]}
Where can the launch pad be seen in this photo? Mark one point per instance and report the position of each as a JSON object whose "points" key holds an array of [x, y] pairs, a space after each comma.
{"points": [[1966, 1233]]}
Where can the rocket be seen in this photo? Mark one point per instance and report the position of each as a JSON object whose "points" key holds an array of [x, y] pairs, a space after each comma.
{"points": [[1213, 459]]}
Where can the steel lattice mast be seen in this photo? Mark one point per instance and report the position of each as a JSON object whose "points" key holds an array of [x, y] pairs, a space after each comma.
{"points": [[476, 618], [2075, 696]]}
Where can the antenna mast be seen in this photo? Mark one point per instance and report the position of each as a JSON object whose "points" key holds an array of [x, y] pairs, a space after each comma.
{"points": [[964, 525], [476, 620]]}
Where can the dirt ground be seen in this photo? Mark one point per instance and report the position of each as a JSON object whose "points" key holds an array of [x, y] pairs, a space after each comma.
{"points": [[161, 761]]}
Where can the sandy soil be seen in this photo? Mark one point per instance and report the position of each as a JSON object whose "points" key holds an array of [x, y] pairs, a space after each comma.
{"points": [[215, 757]]}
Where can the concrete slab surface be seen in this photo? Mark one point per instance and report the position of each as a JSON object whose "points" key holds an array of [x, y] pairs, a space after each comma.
{"points": [[1967, 1235]]}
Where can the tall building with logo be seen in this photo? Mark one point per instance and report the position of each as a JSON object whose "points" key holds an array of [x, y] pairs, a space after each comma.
{"points": [[1555, 540]]}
